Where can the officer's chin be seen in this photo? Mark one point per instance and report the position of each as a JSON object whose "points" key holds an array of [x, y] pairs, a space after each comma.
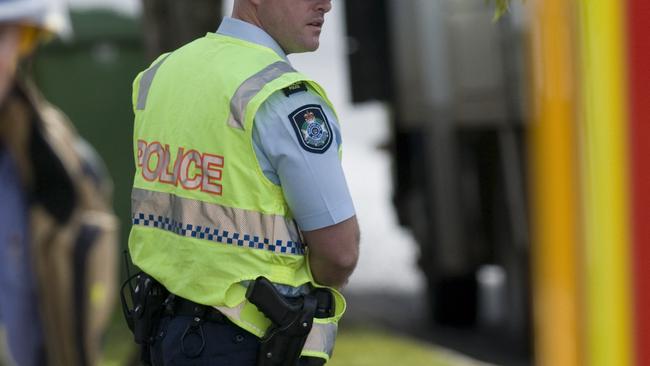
{"points": [[307, 46], [315, 44]]}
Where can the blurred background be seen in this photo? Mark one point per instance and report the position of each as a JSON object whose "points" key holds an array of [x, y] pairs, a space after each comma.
{"points": [[497, 167]]}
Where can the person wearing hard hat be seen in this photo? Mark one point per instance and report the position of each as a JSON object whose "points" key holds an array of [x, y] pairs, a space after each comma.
{"points": [[242, 219], [57, 230]]}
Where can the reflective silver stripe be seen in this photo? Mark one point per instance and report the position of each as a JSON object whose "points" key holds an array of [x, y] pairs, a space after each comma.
{"points": [[321, 338], [249, 89], [145, 83], [225, 225], [235, 313]]}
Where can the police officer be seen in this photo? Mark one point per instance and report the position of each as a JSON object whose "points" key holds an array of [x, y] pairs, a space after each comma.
{"points": [[57, 231], [238, 176]]}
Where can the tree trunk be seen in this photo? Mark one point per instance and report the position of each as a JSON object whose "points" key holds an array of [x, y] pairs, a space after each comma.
{"points": [[169, 24]]}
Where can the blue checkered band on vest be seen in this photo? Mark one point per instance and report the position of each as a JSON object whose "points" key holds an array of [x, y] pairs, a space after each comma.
{"points": [[216, 235]]}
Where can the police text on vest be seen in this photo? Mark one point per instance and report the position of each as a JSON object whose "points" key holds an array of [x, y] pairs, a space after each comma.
{"points": [[191, 169]]}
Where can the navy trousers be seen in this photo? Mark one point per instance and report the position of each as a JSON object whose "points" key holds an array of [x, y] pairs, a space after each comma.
{"points": [[210, 344]]}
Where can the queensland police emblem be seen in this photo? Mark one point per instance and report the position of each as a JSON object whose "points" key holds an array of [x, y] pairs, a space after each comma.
{"points": [[312, 128]]}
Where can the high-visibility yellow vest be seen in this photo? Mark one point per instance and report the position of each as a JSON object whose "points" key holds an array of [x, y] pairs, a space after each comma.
{"points": [[205, 218]]}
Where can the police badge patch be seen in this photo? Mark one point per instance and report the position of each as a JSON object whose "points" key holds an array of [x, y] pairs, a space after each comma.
{"points": [[312, 128]]}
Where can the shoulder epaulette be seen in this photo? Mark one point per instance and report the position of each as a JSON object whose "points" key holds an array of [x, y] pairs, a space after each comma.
{"points": [[295, 88]]}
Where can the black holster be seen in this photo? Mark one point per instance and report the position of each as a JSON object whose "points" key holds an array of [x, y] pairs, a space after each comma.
{"points": [[291, 319], [147, 301]]}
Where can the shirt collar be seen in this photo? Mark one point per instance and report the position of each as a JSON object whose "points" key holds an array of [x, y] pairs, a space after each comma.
{"points": [[248, 32]]}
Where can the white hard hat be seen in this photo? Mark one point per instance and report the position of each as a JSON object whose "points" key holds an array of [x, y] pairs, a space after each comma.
{"points": [[49, 15]]}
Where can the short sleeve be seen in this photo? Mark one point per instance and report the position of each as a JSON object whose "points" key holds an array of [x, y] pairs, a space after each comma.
{"points": [[296, 138]]}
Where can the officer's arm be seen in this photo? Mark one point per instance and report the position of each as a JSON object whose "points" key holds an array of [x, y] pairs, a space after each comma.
{"points": [[312, 179], [333, 252]]}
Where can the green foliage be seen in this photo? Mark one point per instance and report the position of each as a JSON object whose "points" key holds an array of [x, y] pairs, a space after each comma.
{"points": [[502, 7]]}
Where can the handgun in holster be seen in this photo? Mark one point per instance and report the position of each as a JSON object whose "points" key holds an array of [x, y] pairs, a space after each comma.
{"points": [[291, 320]]}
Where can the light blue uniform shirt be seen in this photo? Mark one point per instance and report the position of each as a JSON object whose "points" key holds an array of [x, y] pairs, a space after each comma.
{"points": [[313, 183]]}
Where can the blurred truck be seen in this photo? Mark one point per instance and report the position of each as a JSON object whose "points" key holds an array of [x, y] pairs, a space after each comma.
{"points": [[454, 81]]}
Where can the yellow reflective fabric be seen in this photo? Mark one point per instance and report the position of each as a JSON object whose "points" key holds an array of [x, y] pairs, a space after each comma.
{"points": [[205, 217]]}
